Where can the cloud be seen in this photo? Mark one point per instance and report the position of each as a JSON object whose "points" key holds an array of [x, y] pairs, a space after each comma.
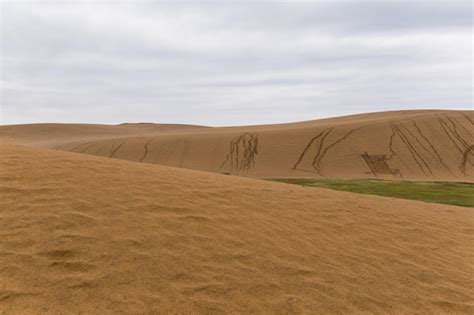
{"points": [[230, 63]]}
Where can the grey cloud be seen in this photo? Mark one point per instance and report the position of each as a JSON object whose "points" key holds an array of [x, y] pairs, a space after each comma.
{"points": [[235, 63], [348, 16]]}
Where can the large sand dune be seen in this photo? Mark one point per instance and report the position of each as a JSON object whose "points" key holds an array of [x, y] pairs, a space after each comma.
{"points": [[85, 234], [49, 135], [422, 145]]}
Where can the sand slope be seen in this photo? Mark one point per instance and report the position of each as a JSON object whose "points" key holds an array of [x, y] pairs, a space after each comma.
{"points": [[420, 145], [87, 234], [50, 135]]}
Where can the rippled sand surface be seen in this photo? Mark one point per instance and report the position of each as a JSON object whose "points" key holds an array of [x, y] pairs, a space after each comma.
{"points": [[85, 234]]}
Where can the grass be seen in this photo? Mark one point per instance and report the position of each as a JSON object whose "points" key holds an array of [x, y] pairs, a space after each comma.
{"points": [[451, 193]]}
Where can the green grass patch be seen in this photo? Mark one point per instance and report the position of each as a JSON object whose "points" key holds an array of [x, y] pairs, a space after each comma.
{"points": [[451, 193]]}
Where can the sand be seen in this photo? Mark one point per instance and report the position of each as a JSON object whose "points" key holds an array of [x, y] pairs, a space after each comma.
{"points": [[415, 145], [51, 135], [86, 234]]}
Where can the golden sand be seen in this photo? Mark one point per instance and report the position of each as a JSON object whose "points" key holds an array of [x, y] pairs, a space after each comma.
{"points": [[416, 145], [85, 234]]}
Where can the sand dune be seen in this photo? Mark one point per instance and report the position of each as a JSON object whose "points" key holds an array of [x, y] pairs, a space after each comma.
{"points": [[87, 234], [49, 135], [420, 145]]}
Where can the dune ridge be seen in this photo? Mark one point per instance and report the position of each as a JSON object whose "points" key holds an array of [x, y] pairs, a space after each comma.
{"points": [[86, 234], [52, 134], [415, 145]]}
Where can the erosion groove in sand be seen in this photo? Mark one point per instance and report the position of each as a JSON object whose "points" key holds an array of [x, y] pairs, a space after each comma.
{"points": [[378, 165], [321, 149], [114, 149], [244, 161], [452, 134], [308, 146], [433, 149], [465, 159], [412, 148]]}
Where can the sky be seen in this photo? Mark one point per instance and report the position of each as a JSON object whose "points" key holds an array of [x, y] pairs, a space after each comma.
{"points": [[223, 63]]}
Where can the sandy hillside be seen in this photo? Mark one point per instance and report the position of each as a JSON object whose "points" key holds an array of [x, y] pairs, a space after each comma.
{"points": [[420, 145], [423, 145], [50, 135], [87, 234]]}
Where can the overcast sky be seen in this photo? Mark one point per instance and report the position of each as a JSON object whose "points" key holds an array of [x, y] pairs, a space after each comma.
{"points": [[231, 63]]}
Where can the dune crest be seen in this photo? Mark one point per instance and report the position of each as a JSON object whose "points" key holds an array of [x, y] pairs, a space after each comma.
{"points": [[51, 135]]}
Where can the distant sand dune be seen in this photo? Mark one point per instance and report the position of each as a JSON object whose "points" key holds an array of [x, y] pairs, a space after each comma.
{"points": [[50, 135], [86, 234], [419, 145]]}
